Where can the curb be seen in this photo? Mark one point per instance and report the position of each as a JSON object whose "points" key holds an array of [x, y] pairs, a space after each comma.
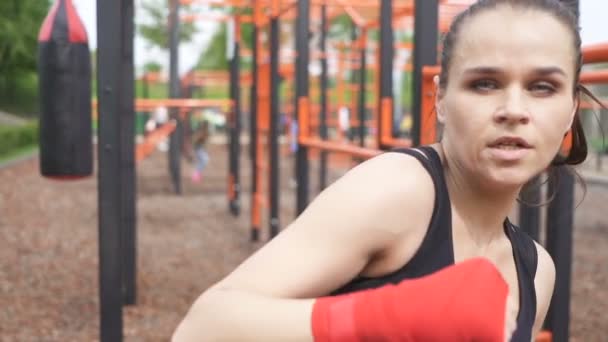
{"points": [[18, 160]]}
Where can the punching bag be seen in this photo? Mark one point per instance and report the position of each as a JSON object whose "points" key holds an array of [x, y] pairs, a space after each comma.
{"points": [[64, 71]]}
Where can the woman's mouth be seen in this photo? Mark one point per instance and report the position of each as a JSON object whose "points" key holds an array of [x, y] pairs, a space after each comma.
{"points": [[509, 148]]}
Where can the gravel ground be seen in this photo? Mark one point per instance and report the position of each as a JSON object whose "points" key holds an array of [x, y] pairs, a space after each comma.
{"points": [[49, 254]]}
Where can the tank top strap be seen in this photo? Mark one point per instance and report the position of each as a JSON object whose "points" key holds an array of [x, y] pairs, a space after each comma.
{"points": [[526, 262], [524, 246], [436, 250], [426, 155]]}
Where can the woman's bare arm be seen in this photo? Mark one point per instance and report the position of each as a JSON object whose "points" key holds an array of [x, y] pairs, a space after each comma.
{"points": [[270, 296], [544, 283]]}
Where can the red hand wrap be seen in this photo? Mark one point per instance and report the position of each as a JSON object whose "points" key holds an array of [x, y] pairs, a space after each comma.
{"points": [[463, 302]]}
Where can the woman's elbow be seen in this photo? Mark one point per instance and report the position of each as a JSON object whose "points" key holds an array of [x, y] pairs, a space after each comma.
{"points": [[196, 325]]}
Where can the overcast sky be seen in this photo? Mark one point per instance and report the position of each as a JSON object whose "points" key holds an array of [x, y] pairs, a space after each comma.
{"points": [[593, 25]]}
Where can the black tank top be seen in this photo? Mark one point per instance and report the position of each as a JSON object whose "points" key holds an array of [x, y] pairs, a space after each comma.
{"points": [[436, 250]]}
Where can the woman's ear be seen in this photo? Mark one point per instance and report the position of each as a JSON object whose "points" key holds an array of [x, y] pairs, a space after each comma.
{"points": [[575, 107], [438, 101]]}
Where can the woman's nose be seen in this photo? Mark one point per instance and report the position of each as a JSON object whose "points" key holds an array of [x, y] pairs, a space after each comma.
{"points": [[513, 109]]}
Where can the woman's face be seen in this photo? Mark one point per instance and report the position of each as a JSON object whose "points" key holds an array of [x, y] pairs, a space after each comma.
{"points": [[509, 99]]}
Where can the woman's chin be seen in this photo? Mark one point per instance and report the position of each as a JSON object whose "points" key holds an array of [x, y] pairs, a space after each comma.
{"points": [[510, 178]]}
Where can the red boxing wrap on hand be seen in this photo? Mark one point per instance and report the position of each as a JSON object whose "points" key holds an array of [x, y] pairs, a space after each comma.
{"points": [[462, 302]]}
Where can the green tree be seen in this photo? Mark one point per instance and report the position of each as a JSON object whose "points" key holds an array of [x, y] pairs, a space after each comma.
{"points": [[156, 31], [20, 22], [152, 67], [214, 56]]}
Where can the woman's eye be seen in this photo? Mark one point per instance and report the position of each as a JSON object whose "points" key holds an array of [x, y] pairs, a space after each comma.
{"points": [[484, 85], [543, 88]]}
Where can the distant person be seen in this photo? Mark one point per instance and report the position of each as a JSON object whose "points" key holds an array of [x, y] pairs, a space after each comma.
{"points": [[161, 117], [201, 157], [344, 121]]}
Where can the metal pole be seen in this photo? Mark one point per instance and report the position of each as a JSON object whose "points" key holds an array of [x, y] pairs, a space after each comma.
{"points": [[273, 138], [253, 123], [362, 87], [235, 129], [426, 29], [302, 23], [559, 225], [353, 80], [127, 154], [324, 86], [175, 140], [109, 82], [386, 65], [559, 245]]}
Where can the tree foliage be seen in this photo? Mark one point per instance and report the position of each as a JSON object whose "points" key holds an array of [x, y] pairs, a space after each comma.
{"points": [[20, 22], [152, 67], [214, 56], [156, 30]]}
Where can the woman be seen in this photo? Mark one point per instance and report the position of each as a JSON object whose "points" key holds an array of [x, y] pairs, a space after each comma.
{"points": [[415, 244]]}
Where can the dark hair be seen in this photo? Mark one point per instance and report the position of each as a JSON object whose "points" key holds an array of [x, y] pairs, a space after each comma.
{"points": [[578, 151]]}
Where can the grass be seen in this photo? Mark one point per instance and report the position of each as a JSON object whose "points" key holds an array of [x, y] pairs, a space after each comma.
{"points": [[18, 153], [22, 97]]}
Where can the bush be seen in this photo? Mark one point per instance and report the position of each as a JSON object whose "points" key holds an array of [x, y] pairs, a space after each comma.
{"points": [[15, 137]]}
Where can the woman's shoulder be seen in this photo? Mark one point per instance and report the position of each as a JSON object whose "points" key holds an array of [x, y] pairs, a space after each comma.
{"points": [[392, 187], [400, 171]]}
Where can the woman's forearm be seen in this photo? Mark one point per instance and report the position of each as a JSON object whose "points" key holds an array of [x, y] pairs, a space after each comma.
{"points": [[229, 315]]}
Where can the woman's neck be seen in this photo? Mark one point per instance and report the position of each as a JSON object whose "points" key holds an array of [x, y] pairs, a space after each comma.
{"points": [[482, 209]]}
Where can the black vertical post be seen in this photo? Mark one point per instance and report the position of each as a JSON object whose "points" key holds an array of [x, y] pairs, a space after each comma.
{"points": [[353, 80], [235, 125], [529, 214], [426, 27], [109, 86], [253, 102], [560, 219], [127, 153], [386, 63], [175, 140], [559, 245], [273, 138], [323, 84], [362, 86], [253, 122], [302, 23]]}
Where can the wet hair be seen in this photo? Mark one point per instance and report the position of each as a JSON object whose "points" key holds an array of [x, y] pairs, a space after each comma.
{"points": [[561, 12]]}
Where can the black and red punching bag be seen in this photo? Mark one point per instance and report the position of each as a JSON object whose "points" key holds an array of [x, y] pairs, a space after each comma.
{"points": [[64, 71]]}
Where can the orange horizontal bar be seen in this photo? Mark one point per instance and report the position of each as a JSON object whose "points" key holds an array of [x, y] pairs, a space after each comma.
{"points": [[233, 3], [151, 77], [595, 53], [594, 77], [359, 3], [592, 105], [183, 103], [338, 147], [189, 18], [396, 142], [141, 104]]}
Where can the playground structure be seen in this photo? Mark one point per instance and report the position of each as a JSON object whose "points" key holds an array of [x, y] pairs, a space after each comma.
{"points": [[310, 123]]}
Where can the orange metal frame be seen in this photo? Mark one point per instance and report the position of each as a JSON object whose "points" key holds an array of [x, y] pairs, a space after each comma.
{"points": [[145, 148]]}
